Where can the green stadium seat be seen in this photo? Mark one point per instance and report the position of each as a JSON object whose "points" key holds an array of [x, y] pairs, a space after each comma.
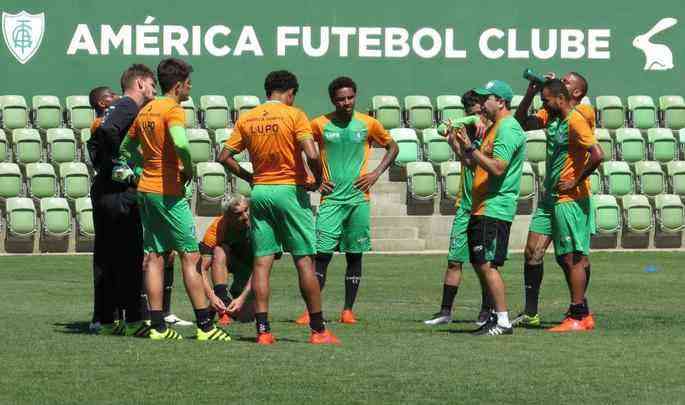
{"points": [[200, 145], [56, 218], [191, 113], [596, 186], [422, 181], [672, 112], [74, 180], [20, 218], [449, 107], [386, 109], [28, 146], [650, 179], [607, 213], [4, 149], [611, 113], [84, 136], [606, 142], [630, 145], [528, 184], [41, 180], [662, 145], [15, 112], [243, 103], [408, 143], [418, 112], [212, 182], [435, 147], [676, 177], [681, 143], [11, 181], [450, 179], [642, 113], [220, 137], [85, 225], [79, 113], [537, 102], [239, 185], [61, 146], [47, 112], [536, 146], [637, 213], [515, 101], [670, 213], [214, 112], [618, 178]]}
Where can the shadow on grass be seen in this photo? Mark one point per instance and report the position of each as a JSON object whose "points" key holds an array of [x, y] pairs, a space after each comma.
{"points": [[254, 339], [77, 327]]}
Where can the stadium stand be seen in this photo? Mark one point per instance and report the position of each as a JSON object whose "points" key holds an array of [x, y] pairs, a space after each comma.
{"points": [[418, 112], [386, 109], [78, 114], [239, 185], [676, 178], [61, 146], [642, 112], [661, 145], [650, 179], [422, 188], [212, 187], [528, 189], [435, 147], [201, 149], [536, 146], [606, 142], [11, 181], [608, 221], [243, 103], [21, 224], [450, 183], [191, 113], [41, 181], [74, 180], [610, 112], [15, 112], [55, 216], [214, 112], [46, 112], [449, 107], [618, 178], [4, 150], [515, 101], [630, 145], [27, 146], [84, 230], [672, 112], [638, 221]]}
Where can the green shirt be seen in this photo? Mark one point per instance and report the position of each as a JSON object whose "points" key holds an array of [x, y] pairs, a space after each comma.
{"points": [[467, 173]]}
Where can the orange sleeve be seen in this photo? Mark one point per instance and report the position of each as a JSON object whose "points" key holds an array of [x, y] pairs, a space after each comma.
{"points": [[588, 113], [317, 131], [210, 238], [301, 126], [581, 132], [236, 142], [543, 116], [378, 134], [175, 117]]}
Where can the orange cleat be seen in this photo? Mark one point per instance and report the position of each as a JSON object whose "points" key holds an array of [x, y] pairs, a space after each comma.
{"points": [[303, 319], [265, 338], [347, 316], [323, 338], [569, 325], [588, 322], [224, 319]]}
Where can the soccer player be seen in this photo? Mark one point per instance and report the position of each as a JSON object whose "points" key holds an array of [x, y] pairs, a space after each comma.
{"points": [[574, 154], [458, 249], [496, 186], [227, 246], [275, 134], [167, 221], [117, 250], [345, 139], [540, 231]]}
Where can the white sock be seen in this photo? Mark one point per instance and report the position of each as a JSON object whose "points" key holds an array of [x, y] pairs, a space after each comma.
{"points": [[503, 319]]}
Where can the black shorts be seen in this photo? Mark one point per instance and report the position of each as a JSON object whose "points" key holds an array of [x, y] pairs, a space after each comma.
{"points": [[488, 240]]}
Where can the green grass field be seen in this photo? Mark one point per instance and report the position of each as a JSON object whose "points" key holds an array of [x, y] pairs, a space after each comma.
{"points": [[634, 356]]}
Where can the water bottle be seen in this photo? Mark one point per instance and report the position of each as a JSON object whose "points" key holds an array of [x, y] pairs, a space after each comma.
{"points": [[456, 123], [532, 76]]}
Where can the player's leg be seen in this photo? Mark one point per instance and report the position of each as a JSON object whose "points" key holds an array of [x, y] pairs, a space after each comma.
{"points": [[169, 316], [218, 263], [355, 240], [241, 270], [262, 290]]}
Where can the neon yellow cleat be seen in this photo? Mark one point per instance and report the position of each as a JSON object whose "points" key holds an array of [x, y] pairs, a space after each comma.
{"points": [[527, 321], [168, 334], [213, 334]]}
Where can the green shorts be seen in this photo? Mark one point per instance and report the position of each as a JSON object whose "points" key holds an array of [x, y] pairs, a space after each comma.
{"points": [[282, 219], [167, 223], [542, 218], [573, 225], [345, 227], [459, 241]]}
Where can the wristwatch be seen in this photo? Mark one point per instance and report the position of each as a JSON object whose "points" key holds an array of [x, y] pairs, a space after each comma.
{"points": [[470, 149]]}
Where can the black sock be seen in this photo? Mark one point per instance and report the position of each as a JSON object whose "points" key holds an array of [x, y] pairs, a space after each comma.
{"points": [[448, 294], [316, 322], [144, 306], [532, 279], [578, 311], [485, 301], [221, 291], [353, 276], [262, 322], [588, 272], [157, 320], [321, 261], [168, 286], [203, 319]]}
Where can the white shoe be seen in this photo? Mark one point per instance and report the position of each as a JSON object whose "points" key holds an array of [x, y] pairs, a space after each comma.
{"points": [[439, 319], [94, 327], [172, 319]]}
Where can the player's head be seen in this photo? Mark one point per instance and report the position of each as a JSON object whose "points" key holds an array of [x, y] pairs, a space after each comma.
{"points": [[238, 211], [138, 80], [497, 97], [343, 94], [576, 85], [174, 78], [554, 95], [281, 85], [101, 98], [471, 102]]}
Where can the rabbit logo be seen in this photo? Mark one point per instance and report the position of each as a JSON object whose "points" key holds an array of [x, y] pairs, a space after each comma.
{"points": [[657, 56]]}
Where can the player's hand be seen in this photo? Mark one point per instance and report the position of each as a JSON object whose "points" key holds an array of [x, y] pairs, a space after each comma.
{"points": [[567, 185], [312, 185], [216, 304], [463, 138], [365, 182], [236, 305], [326, 187], [481, 129]]}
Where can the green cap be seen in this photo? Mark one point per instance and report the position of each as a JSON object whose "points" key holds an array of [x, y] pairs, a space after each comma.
{"points": [[497, 88]]}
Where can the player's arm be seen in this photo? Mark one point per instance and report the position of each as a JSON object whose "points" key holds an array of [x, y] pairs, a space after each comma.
{"points": [[583, 135], [237, 304], [365, 182], [456, 147], [528, 122], [182, 147], [226, 158], [313, 160], [203, 267]]}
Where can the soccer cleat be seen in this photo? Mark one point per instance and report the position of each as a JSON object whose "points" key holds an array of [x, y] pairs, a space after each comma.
{"points": [[524, 320], [588, 322], [224, 319], [303, 319], [138, 329], [439, 318], [94, 327], [483, 317], [492, 328], [347, 316], [265, 338], [107, 329], [172, 319], [213, 334], [168, 334], [568, 325], [323, 338]]}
